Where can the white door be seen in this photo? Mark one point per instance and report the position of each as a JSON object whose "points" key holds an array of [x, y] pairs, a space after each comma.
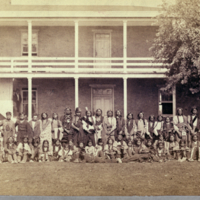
{"points": [[104, 103], [102, 98], [102, 48]]}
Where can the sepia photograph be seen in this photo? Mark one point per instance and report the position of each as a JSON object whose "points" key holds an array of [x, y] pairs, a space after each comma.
{"points": [[99, 98]]}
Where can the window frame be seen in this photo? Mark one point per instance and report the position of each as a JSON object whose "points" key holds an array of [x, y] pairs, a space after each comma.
{"points": [[35, 31], [24, 89], [173, 102]]}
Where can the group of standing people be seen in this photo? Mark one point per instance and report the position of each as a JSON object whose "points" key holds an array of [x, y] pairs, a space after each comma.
{"points": [[100, 138]]}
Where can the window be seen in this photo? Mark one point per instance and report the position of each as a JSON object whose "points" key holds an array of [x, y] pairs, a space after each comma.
{"points": [[25, 100], [24, 43], [165, 103]]}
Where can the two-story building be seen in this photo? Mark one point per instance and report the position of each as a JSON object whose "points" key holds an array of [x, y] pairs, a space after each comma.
{"points": [[91, 54]]}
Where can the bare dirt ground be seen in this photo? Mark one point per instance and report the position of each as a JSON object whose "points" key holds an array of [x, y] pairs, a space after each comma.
{"points": [[85, 179]]}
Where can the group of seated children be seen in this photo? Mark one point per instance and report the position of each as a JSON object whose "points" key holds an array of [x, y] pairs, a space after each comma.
{"points": [[98, 139]]}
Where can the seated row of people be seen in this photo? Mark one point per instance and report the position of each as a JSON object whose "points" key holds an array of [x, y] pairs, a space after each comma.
{"points": [[115, 151]]}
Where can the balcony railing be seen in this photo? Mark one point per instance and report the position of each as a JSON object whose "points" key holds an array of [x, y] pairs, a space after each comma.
{"points": [[80, 65]]}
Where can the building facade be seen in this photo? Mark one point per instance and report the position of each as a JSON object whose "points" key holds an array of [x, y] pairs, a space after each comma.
{"points": [[81, 55]]}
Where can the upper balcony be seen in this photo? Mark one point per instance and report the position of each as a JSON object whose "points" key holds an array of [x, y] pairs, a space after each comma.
{"points": [[78, 47], [83, 65]]}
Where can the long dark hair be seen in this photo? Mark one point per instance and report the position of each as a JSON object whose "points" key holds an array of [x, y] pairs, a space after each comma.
{"points": [[119, 112], [110, 139], [54, 114], [36, 140], [47, 146], [42, 115], [131, 115], [13, 141], [139, 115]]}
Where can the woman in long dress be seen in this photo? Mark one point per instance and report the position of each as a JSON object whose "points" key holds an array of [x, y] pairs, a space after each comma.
{"points": [[45, 128]]}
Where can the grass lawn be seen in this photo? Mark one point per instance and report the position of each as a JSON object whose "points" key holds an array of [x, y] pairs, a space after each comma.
{"points": [[85, 179]]}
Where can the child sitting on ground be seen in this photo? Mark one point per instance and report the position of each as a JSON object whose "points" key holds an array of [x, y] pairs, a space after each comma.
{"points": [[23, 150], [100, 158], [45, 151], [56, 148], [161, 152], [130, 152], [183, 150], [65, 154], [10, 150], [120, 147], [79, 154], [194, 154], [36, 148], [171, 146], [138, 152], [151, 150], [109, 151], [90, 152]]}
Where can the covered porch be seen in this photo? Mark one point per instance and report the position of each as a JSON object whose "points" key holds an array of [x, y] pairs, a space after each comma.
{"points": [[49, 94]]}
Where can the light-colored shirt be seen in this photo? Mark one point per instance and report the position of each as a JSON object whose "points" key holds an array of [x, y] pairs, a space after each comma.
{"points": [[26, 147], [90, 150], [33, 125]]}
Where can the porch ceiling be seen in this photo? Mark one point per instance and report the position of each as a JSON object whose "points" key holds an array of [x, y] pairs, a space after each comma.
{"points": [[67, 75], [82, 22]]}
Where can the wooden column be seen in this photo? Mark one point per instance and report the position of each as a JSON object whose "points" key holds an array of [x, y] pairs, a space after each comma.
{"points": [[29, 98], [76, 45], [76, 93], [174, 99], [125, 45], [125, 97], [29, 45]]}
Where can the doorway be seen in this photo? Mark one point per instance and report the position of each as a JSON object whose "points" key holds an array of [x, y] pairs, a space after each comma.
{"points": [[102, 97], [102, 47]]}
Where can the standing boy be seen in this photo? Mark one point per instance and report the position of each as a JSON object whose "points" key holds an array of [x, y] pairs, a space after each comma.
{"points": [[35, 127], [24, 129], [8, 128]]}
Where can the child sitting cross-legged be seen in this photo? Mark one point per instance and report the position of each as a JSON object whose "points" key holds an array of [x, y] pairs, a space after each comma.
{"points": [[182, 152], [130, 151], [171, 147], [110, 151], [23, 150], [151, 150], [194, 154], [137, 151], [100, 157], [10, 150], [56, 148], [36, 150], [90, 152], [65, 154], [79, 153], [120, 147], [161, 152]]}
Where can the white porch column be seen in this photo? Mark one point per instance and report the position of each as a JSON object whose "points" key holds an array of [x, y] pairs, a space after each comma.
{"points": [[29, 45], [76, 93], [174, 99], [125, 97], [29, 98], [125, 45], [76, 45]]}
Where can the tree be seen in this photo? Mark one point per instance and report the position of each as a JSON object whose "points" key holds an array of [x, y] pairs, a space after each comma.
{"points": [[177, 43]]}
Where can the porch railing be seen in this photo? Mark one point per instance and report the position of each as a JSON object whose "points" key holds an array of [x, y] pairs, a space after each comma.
{"points": [[81, 65]]}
